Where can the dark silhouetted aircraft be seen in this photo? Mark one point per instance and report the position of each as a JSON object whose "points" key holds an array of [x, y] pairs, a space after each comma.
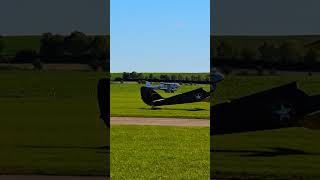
{"points": [[153, 99], [279, 107]]}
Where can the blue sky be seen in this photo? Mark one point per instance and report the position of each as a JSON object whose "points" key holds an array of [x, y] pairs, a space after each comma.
{"points": [[160, 35]]}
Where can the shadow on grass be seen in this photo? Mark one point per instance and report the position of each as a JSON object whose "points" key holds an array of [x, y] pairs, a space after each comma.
{"points": [[276, 151], [176, 109]]}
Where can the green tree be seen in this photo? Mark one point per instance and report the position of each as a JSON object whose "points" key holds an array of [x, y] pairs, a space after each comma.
{"points": [[199, 78], [248, 53], [77, 44], [173, 77], [164, 77], [25, 56], [193, 78], [94, 64], [133, 75], [99, 53], [224, 49], [312, 58], [268, 51], [52, 46], [151, 76], [2, 45], [290, 52], [125, 76], [207, 77], [140, 76]]}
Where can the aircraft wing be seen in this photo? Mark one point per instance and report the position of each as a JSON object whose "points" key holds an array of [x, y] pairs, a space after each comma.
{"points": [[280, 107]]}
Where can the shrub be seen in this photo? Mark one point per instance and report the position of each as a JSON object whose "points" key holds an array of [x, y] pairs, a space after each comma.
{"points": [[118, 79], [94, 65], [26, 56]]}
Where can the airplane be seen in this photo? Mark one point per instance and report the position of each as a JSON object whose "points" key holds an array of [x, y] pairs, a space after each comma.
{"points": [[153, 99], [278, 107], [275, 108], [166, 87], [103, 96]]}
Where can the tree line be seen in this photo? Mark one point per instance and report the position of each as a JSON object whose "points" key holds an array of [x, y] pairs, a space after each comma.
{"points": [[288, 55], [77, 47], [134, 76]]}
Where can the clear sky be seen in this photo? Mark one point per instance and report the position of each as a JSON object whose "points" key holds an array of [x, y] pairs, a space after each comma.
{"points": [[160, 35], [265, 17], [29, 17]]}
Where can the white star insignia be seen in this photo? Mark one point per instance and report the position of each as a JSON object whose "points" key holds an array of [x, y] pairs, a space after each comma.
{"points": [[283, 113], [198, 96]]}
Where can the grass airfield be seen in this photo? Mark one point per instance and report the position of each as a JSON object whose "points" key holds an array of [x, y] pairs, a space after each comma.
{"points": [[126, 101], [50, 125], [291, 153], [158, 152]]}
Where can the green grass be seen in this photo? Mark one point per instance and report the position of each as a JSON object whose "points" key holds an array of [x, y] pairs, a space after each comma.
{"points": [[256, 41], [16, 43], [291, 153], [45, 134], [151, 152], [126, 101], [50, 125], [238, 86]]}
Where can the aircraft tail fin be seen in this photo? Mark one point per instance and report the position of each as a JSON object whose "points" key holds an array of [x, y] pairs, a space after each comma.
{"points": [[148, 95]]}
